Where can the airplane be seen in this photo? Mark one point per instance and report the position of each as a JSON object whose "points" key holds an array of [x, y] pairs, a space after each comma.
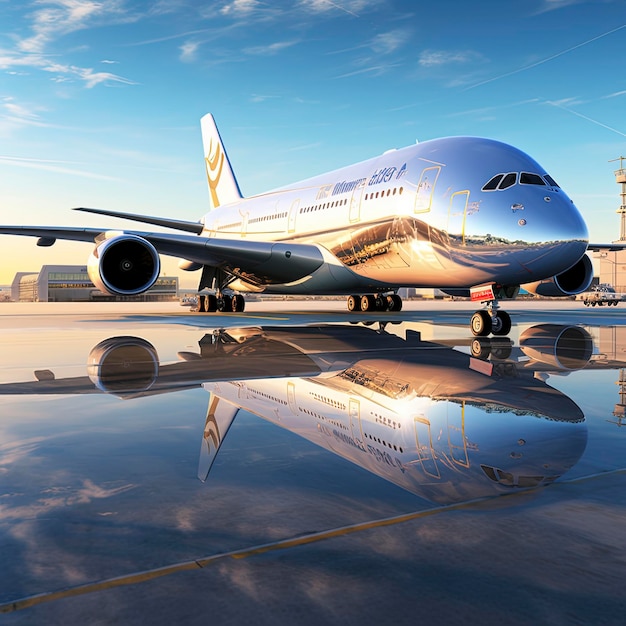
{"points": [[467, 215], [429, 418]]}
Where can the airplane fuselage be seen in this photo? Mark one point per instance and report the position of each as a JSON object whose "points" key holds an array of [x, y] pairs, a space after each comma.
{"points": [[420, 216]]}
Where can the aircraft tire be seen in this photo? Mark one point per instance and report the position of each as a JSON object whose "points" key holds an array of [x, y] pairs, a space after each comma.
{"points": [[238, 304], [480, 324], [353, 303], [480, 348], [225, 305], [502, 324], [394, 302], [368, 303]]}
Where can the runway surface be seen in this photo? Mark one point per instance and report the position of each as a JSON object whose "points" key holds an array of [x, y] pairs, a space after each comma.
{"points": [[382, 468]]}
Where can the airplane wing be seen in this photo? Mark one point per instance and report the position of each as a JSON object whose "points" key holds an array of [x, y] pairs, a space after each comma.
{"points": [[256, 261]]}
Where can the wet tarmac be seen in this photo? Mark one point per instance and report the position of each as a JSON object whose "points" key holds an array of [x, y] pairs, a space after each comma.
{"points": [[302, 464]]}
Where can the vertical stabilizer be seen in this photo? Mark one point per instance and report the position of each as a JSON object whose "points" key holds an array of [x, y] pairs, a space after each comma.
{"points": [[223, 185]]}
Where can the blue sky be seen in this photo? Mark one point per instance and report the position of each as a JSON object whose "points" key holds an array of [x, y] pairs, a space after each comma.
{"points": [[100, 100]]}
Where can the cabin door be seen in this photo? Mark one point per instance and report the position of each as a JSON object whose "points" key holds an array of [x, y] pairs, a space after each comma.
{"points": [[426, 189], [355, 202], [456, 218], [425, 451], [354, 409], [293, 211]]}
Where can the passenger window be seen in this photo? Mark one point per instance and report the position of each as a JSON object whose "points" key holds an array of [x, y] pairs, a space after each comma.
{"points": [[508, 181], [531, 179], [493, 183]]}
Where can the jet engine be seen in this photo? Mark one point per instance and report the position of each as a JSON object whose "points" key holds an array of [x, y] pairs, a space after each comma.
{"points": [[123, 365], [568, 283], [124, 265], [562, 347]]}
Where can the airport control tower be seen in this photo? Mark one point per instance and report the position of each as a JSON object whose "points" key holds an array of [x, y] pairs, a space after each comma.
{"points": [[620, 179], [613, 264]]}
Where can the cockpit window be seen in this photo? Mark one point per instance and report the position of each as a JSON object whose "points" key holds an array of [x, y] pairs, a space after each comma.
{"points": [[531, 179], [508, 181], [493, 183], [504, 181], [550, 180]]}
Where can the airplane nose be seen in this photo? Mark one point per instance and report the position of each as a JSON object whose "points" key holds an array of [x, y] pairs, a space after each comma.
{"points": [[552, 219]]}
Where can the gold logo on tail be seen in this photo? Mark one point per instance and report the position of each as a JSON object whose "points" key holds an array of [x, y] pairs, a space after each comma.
{"points": [[214, 165]]}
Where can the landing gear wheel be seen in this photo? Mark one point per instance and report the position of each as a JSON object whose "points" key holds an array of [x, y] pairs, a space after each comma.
{"points": [[207, 303], [354, 303], [501, 323], [480, 348], [226, 304], [238, 304], [368, 303], [480, 324], [394, 302]]}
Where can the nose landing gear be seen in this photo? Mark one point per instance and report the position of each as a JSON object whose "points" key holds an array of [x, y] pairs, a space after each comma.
{"points": [[491, 320], [487, 322]]}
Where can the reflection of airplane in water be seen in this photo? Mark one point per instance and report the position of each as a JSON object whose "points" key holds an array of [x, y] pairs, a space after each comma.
{"points": [[441, 423]]}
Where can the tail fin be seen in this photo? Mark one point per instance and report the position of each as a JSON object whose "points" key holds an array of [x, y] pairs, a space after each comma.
{"points": [[223, 185]]}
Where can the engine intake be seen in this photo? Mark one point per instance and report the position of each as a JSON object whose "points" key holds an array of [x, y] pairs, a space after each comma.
{"points": [[124, 265], [123, 365], [568, 283]]}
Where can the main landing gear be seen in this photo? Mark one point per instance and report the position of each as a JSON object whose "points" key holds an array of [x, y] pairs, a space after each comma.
{"points": [[374, 302], [490, 320], [225, 303]]}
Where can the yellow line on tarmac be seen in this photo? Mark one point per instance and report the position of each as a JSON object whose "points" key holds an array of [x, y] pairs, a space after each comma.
{"points": [[139, 577]]}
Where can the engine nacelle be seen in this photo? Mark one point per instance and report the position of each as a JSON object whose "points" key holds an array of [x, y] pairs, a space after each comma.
{"points": [[561, 347], [123, 365], [568, 283], [124, 265]]}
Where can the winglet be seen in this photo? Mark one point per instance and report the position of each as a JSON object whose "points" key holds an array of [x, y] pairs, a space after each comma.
{"points": [[223, 185]]}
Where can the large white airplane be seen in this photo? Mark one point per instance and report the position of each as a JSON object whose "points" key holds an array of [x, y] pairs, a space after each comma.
{"points": [[467, 215]]}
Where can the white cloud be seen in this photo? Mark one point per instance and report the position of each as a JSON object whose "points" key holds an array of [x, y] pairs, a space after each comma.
{"points": [[386, 43], [437, 58], [616, 94], [553, 5], [60, 17], [352, 7], [188, 51], [53, 19], [240, 7], [271, 49]]}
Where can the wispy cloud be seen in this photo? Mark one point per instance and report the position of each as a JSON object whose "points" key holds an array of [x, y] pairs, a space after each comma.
{"points": [[52, 20], [553, 5], [437, 58], [545, 60], [615, 95], [351, 7], [257, 97], [559, 104], [389, 42], [188, 51], [241, 7], [58, 167], [270, 49]]}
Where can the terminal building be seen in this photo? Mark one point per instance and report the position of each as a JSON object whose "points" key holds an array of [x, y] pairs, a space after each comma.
{"points": [[71, 283]]}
